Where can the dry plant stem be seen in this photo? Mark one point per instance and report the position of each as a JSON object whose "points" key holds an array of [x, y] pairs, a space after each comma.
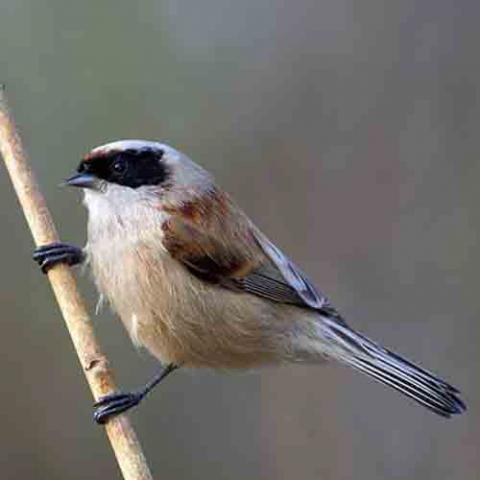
{"points": [[122, 437]]}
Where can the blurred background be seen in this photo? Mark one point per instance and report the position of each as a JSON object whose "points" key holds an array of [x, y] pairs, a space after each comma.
{"points": [[349, 132]]}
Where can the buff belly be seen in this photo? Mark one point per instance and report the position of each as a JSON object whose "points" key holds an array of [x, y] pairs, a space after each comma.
{"points": [[183, 320]]}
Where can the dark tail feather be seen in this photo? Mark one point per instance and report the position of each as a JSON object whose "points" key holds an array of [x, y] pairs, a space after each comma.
{"points": [[391, 369]]}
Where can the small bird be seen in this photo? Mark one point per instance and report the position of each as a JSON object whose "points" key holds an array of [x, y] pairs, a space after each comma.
{"points": [[197, 284]]}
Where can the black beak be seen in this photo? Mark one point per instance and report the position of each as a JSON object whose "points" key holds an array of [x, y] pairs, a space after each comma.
{"points": [[83, 180]]}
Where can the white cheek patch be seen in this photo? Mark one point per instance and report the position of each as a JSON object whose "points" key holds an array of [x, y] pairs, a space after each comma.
{"points": [[122, 214], [96, 204]]}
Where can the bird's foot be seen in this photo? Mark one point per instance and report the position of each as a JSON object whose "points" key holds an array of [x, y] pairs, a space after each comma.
{"points": [[114, 404], [119, 402], [49, 255]]}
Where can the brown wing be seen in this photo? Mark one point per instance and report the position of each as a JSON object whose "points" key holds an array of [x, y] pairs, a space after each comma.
{"points": [[250, 263], [205, 255]]}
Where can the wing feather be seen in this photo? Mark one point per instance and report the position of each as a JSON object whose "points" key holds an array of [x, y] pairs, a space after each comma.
{"points": [[291, 276], [242, 260]]}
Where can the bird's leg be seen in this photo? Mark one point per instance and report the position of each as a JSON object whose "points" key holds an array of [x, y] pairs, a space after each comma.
{"points": [[119, 402], [49, 255]]}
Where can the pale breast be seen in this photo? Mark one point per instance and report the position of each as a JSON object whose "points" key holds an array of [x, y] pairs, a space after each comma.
{"points": [[182, 319], [121, 223], [176, 316]]}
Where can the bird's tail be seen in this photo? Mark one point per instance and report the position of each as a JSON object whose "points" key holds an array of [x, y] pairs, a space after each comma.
{"points": [[362, 354]]}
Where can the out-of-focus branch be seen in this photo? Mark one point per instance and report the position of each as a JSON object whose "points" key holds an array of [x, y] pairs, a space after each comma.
{"points": [[122, 437]]}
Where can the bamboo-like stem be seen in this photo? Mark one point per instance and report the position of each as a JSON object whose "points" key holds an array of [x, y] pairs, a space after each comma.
{"points": [[95, 366]]}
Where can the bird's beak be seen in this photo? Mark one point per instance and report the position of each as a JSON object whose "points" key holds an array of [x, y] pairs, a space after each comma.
{"points": [[83, 180]]}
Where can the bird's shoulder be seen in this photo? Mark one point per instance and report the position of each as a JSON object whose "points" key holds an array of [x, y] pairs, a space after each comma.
{"points": [[216, 241]]}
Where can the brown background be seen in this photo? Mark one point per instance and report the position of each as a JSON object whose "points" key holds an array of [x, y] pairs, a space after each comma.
{"points": [[349, 132]]}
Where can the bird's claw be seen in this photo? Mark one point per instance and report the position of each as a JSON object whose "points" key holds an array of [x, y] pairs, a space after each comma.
{"points": [[49, 255], [114, 404]]}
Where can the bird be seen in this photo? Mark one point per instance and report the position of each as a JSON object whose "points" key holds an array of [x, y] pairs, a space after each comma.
{"points": [[198, 285]]}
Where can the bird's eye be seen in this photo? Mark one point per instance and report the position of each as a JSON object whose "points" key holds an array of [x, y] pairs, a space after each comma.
{"points": [[119, 166]]}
